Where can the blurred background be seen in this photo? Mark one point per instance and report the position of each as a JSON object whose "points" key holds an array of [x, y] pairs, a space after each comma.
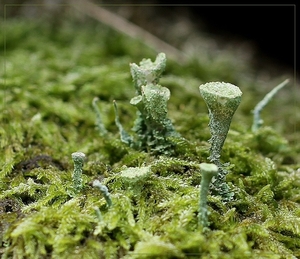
{"points": [[266, 33], [67, 46]]}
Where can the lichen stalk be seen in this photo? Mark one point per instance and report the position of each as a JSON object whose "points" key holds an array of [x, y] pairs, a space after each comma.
{"points": [[257, 121], [222, 100], [208, 171], [103, 189], [99, 123], [78, 159]]}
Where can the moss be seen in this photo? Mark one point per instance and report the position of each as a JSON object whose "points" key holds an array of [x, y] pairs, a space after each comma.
{"points": [[47, 115]]}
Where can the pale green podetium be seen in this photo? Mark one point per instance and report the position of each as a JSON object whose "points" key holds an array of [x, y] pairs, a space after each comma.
{"points": [[257, 121], [103, 189], [208, 171], [125, 137], [155, 131], [99, 123], [222, 100], [152, 125], [78, 159]]}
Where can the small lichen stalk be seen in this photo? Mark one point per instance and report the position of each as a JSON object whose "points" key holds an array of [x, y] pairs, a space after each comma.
{"points": [[257, 121], [78, 159], [208, 171], [103, 189], [222, 100]]}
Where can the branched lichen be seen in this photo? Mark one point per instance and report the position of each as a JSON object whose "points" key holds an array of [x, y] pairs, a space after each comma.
{"points": [[153, 128]]}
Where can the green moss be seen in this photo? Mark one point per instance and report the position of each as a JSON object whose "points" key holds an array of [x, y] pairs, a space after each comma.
{"points": [[47, 115]]}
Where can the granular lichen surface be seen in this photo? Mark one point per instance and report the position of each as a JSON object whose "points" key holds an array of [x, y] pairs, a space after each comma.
{"points": [[50, 80]]}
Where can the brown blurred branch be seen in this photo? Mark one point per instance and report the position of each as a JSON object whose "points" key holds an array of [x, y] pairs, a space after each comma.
{"points": [[120, 24]]}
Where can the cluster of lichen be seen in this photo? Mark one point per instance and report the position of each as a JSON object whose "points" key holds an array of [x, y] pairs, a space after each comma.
{"points": [[155, 132], [130, 203]]}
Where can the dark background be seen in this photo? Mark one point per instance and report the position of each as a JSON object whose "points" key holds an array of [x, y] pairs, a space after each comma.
{"points": [[271, 29]]}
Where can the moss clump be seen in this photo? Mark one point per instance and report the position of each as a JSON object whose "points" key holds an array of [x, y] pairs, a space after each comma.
{"points": [[47, 115]]}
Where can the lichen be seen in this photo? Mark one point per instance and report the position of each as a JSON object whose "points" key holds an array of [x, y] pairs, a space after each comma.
{"points": [[222, 100], [47, 115], [154, 130]]}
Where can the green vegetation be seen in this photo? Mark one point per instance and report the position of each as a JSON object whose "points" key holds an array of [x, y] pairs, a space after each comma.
{"points": [[148, 204]]}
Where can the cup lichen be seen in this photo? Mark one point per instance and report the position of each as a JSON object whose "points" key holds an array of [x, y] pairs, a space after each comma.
{"points": [[222, 100]]}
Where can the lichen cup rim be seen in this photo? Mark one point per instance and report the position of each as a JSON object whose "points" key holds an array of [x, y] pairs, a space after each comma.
{"points": [[222, 89]]}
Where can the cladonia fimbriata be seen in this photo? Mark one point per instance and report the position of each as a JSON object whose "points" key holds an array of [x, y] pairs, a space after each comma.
{"points": [[78, 159], [222, 100], [153, 128], [208, 171]]}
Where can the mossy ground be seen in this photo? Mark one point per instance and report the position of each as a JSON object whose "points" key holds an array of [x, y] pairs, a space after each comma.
{"points": [[50, 77]]}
